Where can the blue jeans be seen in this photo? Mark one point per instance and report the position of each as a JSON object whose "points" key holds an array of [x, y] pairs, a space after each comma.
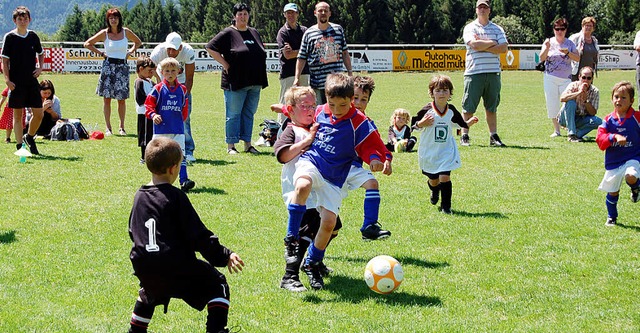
{"points": [[577, 125], [189, 145], [240, 107]]}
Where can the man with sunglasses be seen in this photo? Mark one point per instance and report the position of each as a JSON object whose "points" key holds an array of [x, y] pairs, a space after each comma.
{"points": [[485, 42], [581, 99]]}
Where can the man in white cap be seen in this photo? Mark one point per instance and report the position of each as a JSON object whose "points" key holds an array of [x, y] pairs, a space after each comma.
{"points": [[485, 42], [289, 39], [174, 47]]}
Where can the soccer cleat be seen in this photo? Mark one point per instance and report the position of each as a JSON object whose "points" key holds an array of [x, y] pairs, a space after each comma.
{"points": [[315, 277], [610, 222], [464, 140], [494, 140], [290, 250], [31, 143], [292, 283], [187, 185], [446, 211], [142, 161], [108, 132], [374, 232], [325, 270], [574, 138], [190, 158], [122, 132], [634, 194]]}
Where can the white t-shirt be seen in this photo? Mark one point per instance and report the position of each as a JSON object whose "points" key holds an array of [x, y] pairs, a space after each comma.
{"points": [[186, 56]]}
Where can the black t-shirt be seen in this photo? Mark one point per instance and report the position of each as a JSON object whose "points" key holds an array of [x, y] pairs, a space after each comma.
{"points": [[294, 38], [166, 232], [247, 58], [21, 51]]}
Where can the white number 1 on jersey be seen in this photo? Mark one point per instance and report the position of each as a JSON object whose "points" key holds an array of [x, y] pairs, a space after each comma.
{"points": [[152, 246]]}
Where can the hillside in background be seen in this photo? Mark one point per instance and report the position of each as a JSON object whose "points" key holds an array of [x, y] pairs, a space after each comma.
{"points": [[47, 15]]}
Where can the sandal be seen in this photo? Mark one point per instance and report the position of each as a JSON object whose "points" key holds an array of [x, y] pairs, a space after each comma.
{"points": [[252, 150], [232, 151]]}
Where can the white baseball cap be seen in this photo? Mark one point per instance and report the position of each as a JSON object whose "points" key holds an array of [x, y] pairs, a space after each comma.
{"points": [[291, 6], [174, 41]]}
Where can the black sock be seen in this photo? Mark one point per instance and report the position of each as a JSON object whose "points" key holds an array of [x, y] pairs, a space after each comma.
{"points": [[142, 313], [445, 188], [218, 312]]}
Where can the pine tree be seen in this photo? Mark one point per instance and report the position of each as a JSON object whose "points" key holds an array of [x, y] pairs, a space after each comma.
{"points": [[73, 29]]}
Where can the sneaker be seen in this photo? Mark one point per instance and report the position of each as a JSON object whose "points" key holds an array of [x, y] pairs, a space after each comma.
{"points": [[574, 138], [292, 283], [190, 158], [610, 222], [108, 132], [187, 185], [554, 134], [634, 194], [7, 140], [290, 250], [325, 270], [142, 161], [446, 211], [315, 277], [31, 143], [464, 140], [495, 141], [122, 132], [374, 232]]}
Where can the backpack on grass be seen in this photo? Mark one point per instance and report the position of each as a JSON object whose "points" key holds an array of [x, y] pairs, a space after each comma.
{"points": [[64, 131]]}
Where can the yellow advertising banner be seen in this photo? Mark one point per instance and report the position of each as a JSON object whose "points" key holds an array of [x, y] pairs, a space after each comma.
{"points": [[443, 60]]}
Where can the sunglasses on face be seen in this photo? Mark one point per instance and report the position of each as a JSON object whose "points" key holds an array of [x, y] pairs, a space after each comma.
{"points": [[587, 78], [559, 29]]}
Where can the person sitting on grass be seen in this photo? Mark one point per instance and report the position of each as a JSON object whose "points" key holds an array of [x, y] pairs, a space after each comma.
{"points": [[619, 137], [167, 105], [400, 139], [167, 232], [342, 134], [437, 151]]}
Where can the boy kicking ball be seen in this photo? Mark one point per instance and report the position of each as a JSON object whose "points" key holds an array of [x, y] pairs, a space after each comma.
{"points": [[167, 232], [619, 137]]}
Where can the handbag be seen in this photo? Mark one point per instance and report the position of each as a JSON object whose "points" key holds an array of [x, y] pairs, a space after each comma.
{"points": [[540, 66]]}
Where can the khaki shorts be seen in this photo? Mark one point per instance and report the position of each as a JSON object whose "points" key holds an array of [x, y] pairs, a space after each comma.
{"points": [[486, 86]]}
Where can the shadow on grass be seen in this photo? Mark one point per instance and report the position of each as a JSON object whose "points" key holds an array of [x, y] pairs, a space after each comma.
{"points": [[517, 147], [404, 260], [347, 289], [213, 162], [632, 227], [485, 214], [210, 190], [7, 237], [57, 158]]}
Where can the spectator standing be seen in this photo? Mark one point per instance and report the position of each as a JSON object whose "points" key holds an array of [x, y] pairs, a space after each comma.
{"points": [[173, 47], [588, 48], [324, 48], [485, 41], [289, 39], [636, 46], [114, 76]]}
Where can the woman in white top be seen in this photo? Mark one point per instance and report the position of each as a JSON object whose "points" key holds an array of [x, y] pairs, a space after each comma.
{"points": [[114, 77]]}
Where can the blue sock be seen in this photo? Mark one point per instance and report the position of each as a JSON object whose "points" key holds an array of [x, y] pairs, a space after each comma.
{"points": [[612, 206], [296, 212], [315, 254], [183, 172], [371, 208]]}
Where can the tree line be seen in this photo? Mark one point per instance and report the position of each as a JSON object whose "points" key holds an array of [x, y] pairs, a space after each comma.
{"points": [[366, 21]]}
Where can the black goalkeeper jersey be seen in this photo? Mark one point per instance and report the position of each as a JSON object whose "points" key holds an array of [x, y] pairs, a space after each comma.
{"points": [[166, 232]]}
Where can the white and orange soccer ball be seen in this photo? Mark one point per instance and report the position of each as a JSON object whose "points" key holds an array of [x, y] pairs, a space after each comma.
{"points": [[383, 274]]}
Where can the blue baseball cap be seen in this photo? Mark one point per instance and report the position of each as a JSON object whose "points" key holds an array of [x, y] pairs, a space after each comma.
{"points": [[291, 6]]}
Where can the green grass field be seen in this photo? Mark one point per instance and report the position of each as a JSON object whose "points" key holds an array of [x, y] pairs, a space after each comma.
{"points": [[525, 251]]}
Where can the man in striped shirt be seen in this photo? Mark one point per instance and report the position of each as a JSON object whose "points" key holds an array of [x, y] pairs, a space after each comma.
{"points": [[485, 42], [324, 48]]}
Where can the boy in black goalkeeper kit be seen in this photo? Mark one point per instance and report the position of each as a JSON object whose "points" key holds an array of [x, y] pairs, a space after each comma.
{"points": [[166, 232]]}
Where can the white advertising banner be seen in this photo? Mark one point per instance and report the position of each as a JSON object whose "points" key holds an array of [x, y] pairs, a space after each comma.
{"points": [[609, 59]]}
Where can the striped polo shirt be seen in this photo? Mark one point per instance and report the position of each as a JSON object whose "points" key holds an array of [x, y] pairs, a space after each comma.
{"points": [[322, 49], [478, 62]]}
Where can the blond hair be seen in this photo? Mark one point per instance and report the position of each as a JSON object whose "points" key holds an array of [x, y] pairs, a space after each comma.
{"points": [[169, 63], [400, 112], [295, 94]]}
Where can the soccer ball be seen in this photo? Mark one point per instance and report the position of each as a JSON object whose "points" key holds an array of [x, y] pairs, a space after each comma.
{"points": [[383, 274]]}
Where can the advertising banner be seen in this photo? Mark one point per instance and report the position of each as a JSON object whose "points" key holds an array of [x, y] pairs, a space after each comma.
{"points": [[443, 60], [608, 59]]}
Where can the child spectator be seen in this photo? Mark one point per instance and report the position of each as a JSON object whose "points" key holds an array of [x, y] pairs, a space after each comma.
{"points": [[619, 137], [145, 68], [6, 120], [167, 105], [51, 110], [342, 134], [359, 177], [166, 232], [20, 48], [400, 139], [437, 152], [299, 109]]}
